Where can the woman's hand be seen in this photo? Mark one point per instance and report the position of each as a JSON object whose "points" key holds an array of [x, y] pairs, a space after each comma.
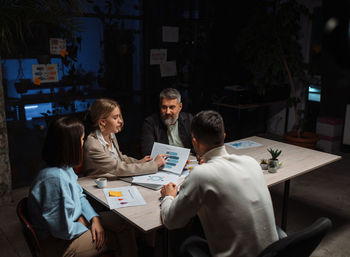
{"points": [[147, 158], [83, 221], [98, 234], [160, 159]]}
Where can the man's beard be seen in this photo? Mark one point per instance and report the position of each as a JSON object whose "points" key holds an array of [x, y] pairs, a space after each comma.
{"points": [[169, 121]]}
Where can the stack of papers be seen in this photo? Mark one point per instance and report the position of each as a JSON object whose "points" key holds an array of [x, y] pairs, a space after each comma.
{"points": [[173, 170]]}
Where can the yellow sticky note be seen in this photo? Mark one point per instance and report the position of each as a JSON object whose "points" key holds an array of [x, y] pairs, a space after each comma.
{"points": [[37, 81], [115, 193]]}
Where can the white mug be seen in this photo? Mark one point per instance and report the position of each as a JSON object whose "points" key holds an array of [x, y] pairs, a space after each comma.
{"points": [[101, 182]]}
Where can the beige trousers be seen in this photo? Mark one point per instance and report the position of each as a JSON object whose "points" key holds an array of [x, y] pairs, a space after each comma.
{"points": [[119, 239]]}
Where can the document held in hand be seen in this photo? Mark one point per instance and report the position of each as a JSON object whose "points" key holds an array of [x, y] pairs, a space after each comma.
{"points": [[177, 156]]}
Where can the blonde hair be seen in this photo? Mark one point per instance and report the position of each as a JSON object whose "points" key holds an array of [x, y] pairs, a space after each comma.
{"points": [[101, 109]]}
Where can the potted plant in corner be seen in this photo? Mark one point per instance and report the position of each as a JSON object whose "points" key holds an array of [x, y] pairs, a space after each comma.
{"points": [[274, 156], [270, 47]]}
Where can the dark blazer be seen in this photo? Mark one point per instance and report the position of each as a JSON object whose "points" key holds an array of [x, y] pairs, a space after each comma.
{"points": [[154, 130]]}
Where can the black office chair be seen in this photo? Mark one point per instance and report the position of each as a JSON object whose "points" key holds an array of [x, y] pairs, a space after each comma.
{"points": [[300, 244], [28, 231]]}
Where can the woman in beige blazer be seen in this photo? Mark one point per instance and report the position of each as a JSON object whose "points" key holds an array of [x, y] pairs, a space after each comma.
{"points": [[101, 150]]}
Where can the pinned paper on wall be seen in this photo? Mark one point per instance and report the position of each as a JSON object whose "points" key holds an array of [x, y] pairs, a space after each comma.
{"points": [[44, 73], [168, 69], [170, 34], [58, 46], [158, 56]]}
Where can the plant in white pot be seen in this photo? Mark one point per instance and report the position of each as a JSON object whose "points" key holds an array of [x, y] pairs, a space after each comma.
{"points": [[272, 167], [263, 164], [274, 156]]}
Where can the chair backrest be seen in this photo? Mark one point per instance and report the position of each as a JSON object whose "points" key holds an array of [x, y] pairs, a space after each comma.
{"points": [[28, 231], [301, 243]]}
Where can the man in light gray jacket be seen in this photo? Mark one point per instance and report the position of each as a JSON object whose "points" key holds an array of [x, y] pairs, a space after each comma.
{"points": [[227, 192]]}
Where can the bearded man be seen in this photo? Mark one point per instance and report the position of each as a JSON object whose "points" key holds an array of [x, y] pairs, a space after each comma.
{"points": [[170, 126]]}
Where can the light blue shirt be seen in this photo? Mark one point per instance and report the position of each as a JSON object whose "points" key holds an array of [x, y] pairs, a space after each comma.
{"points": [[55, 202]]}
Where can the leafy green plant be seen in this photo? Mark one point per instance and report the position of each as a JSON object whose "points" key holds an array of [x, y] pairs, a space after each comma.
{"points": [[269, 45], [263, 161], [272, 165], [274, 153]]}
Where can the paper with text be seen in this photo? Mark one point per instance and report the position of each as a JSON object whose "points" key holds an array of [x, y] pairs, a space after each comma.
{"points": [[243, 144], [177, 156], [124, 197]]}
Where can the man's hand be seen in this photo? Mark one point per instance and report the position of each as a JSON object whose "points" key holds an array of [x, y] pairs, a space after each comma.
{"points": [[169, 189], [98, 234], [147, 158]]}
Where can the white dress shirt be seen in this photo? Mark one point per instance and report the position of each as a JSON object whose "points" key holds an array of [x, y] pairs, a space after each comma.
{"points": [[230, 197]]}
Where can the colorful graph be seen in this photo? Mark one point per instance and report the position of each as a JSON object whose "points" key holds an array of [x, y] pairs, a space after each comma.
{"points": [[172, 160]]}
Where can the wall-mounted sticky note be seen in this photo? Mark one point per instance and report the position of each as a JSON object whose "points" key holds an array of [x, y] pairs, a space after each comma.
{"points": [[115, 193], [63, 53], [37, 81]]}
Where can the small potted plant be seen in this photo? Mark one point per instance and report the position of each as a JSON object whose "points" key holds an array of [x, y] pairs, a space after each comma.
{"points": [[274, 155], [272, 167], [263, 164]]}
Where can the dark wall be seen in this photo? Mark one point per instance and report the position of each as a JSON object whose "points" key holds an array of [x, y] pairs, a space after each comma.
{"points": [[336, 60]]}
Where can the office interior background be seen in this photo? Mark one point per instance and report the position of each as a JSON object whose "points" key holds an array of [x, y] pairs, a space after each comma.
{"points": [[113, 56]]}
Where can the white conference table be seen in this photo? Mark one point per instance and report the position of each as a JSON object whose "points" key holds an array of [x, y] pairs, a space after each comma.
{"points": [[295, 162]]}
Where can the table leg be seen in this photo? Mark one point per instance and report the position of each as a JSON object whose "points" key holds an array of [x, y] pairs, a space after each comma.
{"points": [[285, 204], [166, 242]]}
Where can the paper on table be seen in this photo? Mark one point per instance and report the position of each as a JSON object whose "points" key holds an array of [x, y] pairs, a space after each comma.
{"points": [[159, 178], [128, 196], [177, 156], [243, 144]]}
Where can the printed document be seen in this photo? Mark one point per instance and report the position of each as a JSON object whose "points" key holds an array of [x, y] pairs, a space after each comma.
{"points": [[177, 156], [119, 197], [243, 144]]}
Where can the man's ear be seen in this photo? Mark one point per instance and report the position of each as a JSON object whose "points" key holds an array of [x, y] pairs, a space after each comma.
{"points": [[180, 105], [224, 135], [194, 140]]}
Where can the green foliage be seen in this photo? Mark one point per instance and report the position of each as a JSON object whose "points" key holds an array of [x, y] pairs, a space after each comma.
{"points": [[270, 37], [20, 18], [274, 153], [272, 165], [263, 161]]}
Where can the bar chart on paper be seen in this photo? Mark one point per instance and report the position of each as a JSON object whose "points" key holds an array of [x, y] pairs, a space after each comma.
{"points": [[176, 156]]}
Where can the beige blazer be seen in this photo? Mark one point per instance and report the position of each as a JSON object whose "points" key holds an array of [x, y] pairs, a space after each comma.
{"points": [[98, 161]]}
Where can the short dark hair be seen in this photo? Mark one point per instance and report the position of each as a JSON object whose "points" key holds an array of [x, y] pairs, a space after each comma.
{"points": [[208, 128], [62, 146]]}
